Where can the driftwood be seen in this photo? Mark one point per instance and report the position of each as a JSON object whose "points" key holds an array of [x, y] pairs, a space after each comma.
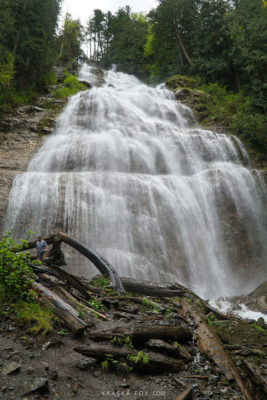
{"points": [[157, 363], [143, 333], [62, 309], [186, 395], [210, 345]]}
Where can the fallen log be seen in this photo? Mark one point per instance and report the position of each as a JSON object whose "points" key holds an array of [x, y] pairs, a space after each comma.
{"points": [[95, 259], [86, 307], [169, 349], [186, 395], [151, 289], [155, 363], [60, 308], [218, 314], [143, 333], [259, 384], [71, 279], [210, 345], [101, 264]]}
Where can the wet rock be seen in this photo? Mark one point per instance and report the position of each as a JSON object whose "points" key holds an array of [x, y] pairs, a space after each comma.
{"points": [[12, 367], [87, 84], [36, 385], [53, 374], [85, 363], [180, 94], [30, 370], [47, 131], [38, 109]]}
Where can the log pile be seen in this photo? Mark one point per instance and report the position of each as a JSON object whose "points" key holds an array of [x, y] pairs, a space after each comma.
{"points": [[152, 329]]}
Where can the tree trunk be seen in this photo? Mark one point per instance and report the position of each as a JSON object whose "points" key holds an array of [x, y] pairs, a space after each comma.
{"points": [[156, 362], [63, 310], [143, 333], [101, 264], [152, 289], [210, 345], [182, 46]]}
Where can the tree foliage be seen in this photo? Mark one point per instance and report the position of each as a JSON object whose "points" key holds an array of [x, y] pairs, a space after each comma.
{"points": [[27, 44], [221, 40], [70, 40], [119, 39]]}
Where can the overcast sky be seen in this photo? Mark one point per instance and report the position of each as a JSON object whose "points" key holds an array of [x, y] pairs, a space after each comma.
{"points": [[82, 9]]}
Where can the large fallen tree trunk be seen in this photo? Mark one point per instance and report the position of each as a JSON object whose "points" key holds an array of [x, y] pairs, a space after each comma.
{"points": [[100, 262], [210, 345], [95, 259], [143, 333], [60, 308], [152, 289], [157, 363]]}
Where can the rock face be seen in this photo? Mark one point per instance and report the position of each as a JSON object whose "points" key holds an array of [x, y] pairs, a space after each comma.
{"points": [[21, 134]]}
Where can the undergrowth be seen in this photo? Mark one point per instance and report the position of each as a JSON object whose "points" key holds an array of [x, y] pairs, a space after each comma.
{"points": [[216, 105], [71, 86], [38, 317]]}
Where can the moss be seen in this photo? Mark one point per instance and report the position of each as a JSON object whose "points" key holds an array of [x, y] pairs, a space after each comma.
{"points": [[240, 332], [176, 81]]}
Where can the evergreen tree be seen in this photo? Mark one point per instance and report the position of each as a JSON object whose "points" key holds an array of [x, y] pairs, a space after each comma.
{"points": [[71, 38]]}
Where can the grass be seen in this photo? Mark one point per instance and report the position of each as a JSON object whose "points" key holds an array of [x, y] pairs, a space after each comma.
{"points": [[40, 318]]}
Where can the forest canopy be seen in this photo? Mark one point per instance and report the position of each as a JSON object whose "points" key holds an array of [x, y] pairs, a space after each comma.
{"points": [[221, 41]]}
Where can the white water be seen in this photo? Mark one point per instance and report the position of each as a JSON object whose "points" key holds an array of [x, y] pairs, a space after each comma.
{"points": [[126, 174], [240, 310]]}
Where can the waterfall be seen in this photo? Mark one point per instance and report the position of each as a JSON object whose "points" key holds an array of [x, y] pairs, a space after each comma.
{"points": [[128, 173]]}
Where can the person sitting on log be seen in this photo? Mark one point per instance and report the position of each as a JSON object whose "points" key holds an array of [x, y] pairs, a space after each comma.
{"points": [[41, 247]]}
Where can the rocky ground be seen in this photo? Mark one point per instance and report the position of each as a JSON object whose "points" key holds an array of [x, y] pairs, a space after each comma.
{"points": [[57, 365]]}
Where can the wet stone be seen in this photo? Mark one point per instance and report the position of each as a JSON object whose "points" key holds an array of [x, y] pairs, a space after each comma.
{"points": [[10, 368], [36, 385]]}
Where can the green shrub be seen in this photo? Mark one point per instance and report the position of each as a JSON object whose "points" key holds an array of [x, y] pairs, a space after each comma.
{"points": [[71, 87], [16, 276]]}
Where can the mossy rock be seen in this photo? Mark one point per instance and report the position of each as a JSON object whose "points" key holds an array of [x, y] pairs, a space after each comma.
{"points": [[180, 81], [241, 333]]}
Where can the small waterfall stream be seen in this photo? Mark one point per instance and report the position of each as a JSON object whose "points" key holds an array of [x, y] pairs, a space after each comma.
{"points": [[128, 173]]}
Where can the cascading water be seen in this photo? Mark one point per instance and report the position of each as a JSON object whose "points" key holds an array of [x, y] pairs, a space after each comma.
{"points": [[128, 174]]}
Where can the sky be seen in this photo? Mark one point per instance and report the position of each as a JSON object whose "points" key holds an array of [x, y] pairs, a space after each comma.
{"points": [[82, 9]]}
